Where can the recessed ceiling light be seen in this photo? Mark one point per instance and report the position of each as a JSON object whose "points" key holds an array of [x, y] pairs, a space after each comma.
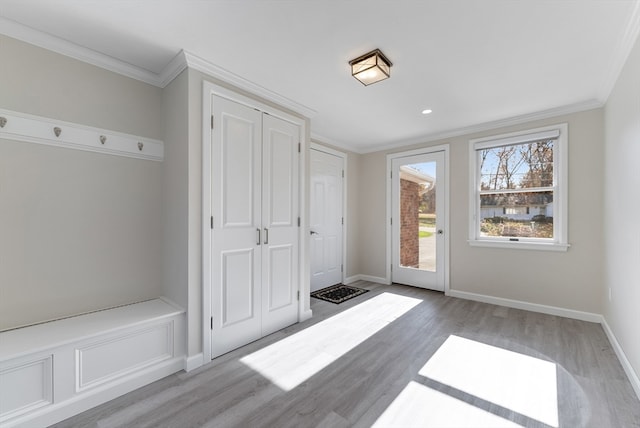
{"points": [[426, 111]]}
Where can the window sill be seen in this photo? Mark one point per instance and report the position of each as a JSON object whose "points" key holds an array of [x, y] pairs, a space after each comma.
{"points": [[539, 246]]}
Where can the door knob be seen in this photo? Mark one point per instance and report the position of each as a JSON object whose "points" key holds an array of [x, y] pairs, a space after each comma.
{"points": [[440, 231], [313, 232]]}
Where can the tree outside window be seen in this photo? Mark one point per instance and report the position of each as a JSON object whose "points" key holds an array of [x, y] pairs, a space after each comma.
{"points": [[517, 189]]}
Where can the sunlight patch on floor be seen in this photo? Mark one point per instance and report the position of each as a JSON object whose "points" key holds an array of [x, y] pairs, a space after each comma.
{"points": [[518, 382], [421, 406], [294, 359]]}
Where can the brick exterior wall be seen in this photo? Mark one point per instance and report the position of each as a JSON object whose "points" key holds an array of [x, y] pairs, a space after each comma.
{"points": [[409, 223]]}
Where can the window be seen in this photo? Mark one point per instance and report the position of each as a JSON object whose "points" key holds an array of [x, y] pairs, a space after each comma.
{"points": [[518, 190]]}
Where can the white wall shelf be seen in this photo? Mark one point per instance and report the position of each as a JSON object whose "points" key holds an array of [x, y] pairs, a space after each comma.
{"points": [[41, 130]]}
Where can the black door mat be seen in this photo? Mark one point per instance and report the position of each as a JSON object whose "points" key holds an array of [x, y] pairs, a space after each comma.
{"points": [[338, 293]]}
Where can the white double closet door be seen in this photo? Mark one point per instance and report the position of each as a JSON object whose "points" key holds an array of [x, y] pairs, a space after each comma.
{"points": [[255, 229]]}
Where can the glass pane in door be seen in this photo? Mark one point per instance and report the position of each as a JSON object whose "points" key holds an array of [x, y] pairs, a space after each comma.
{"points": [[418, 216]]}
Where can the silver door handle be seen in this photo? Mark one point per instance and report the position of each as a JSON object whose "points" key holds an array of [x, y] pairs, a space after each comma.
{"points": [[266, 235], [440, 231], [259, 238], [313, 232]]}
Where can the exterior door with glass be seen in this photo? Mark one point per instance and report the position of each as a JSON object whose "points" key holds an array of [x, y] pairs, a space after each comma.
{"points": [[418, 220]]}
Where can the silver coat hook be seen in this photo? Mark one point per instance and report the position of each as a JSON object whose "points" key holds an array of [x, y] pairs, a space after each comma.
{"points": [[3, 122], [103, 139], [57, 131], [140, 146]]}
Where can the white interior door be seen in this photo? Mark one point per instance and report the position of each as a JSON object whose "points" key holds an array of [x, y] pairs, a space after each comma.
{"points": [[236, 295], [418, 189], [326, 225], [279, 224]]}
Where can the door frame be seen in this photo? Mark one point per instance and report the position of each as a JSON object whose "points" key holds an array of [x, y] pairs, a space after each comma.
{"points": [[304, 311], [343, 156], [425, 150]]}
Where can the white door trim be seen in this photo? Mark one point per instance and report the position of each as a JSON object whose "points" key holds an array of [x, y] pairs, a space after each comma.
{"points": [[208, 90], [321, 148], [440, 148]]}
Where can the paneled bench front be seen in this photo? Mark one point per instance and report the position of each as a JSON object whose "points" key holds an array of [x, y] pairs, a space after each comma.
{"points": [[54, 370]]}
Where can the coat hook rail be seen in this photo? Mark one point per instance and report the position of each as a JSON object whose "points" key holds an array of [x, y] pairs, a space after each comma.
{"points": [[41, 130]]}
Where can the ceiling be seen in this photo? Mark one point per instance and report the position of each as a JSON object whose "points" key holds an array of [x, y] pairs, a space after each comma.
{"points": [[472, 62]]}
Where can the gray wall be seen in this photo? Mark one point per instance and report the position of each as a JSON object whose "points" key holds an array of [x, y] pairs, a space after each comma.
{"points": [[79, 231], [571, 280], [622, 210]]}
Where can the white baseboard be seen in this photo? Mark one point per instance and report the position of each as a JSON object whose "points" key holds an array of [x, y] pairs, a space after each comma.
{"points": [[626, 365], [533, 307], [305, 315], [568, 313], [193, 362], [376, 279]]}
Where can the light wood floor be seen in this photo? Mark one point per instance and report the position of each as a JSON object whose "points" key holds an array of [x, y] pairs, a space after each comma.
{"points": [[382, 356]]}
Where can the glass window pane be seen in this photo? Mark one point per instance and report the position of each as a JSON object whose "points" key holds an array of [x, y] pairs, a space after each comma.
{"points": [[520, 215], [519, 166], [418, 216]]}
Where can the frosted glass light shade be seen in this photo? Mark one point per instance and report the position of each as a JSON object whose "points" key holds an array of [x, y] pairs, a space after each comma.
{"points": [[371, 67]]}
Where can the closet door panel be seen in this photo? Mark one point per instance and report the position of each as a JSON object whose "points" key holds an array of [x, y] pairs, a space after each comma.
{"points": [[236, 265], [239, 173], [280, 223], [280, 177], [279, 264]]}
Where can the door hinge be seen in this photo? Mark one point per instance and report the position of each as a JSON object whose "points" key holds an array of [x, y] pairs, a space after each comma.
{"points": [[298, 221], [392, 267], [211, 121], [343, 173], [211, 222], [341, 268], [391, 175], [391, 221], [299, 147], [343, 221], [298, 294], [211, 323]]}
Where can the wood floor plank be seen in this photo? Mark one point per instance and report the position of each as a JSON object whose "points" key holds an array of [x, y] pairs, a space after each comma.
{"points": [[381, 354]]}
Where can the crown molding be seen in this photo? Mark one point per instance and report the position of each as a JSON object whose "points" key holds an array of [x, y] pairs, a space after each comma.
{"points": [[173, 69], [321, 139], [64, 47], [181, 61], [621, 53], [486, 126], [239, 82]]}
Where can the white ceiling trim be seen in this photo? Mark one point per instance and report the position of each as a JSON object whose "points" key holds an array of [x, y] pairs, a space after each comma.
{"points": [[173, 69], [620, 55], [170, 71], [239, 82], [487, 126], [315, 137], [67, 48]]}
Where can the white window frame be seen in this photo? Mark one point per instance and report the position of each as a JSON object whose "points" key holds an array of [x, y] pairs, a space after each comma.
{"points": [[560, 186]]}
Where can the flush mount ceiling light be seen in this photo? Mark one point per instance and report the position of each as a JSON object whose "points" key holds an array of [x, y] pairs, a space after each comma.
{"points": [[371, 67]]}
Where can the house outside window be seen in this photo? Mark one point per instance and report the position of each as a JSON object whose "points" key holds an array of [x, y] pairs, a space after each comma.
{"points": [[518, 189]]}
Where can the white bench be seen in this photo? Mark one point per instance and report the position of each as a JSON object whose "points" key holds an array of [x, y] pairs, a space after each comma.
{"points": [[54, 370]]}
